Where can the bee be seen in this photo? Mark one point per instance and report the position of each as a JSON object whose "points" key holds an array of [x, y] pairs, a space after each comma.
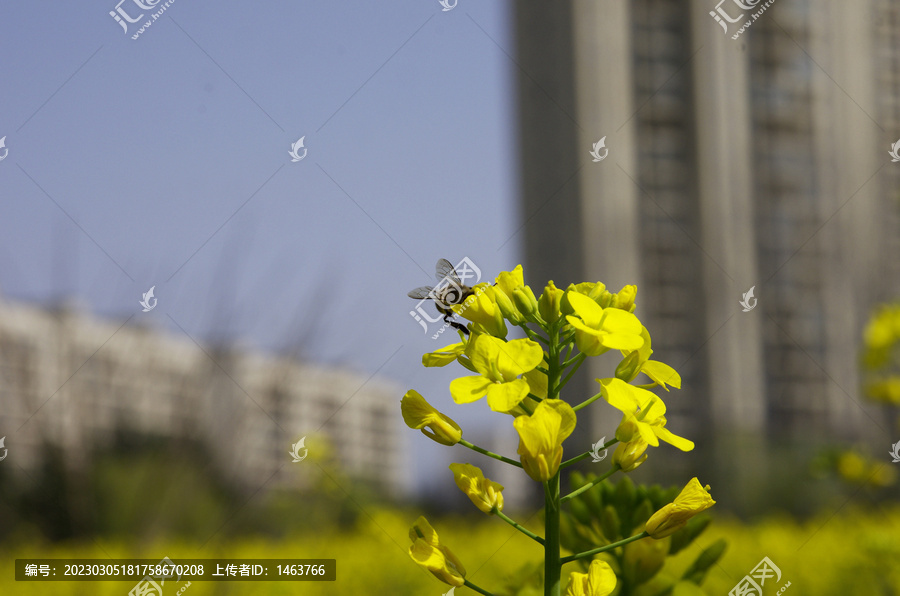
{"points": [[449, 291]]}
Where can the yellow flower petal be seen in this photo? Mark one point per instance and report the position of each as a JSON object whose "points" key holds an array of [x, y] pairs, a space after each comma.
{"points": [[465, 390], [662, 374], [541, 436], [503, 397], [419, 414], [484, 493], [443, 356], [693, 499], [600, 580]]}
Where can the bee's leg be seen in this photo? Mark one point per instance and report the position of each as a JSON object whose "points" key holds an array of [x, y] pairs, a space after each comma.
{"points": [[460, 327], [456, 325]]}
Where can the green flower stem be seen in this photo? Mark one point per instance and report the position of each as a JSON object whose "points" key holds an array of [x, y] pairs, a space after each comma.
{"points": [[552, 561], [534, 335], [472, 586], [544, 370], [483, 451], [579, 357], [577, 360], [517, 526], [535, 397], [586, 454], [588, 401], [603, 549], [590, 485]]}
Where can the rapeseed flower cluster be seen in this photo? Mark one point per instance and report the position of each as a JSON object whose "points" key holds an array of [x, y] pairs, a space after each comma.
{"points": [[524, 378]]}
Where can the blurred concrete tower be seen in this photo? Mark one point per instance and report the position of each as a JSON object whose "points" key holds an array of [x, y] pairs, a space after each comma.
{"points": [[759, 160]]}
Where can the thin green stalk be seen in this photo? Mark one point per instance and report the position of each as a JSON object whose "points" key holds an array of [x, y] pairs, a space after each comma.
{"points": [[588, 402], [580, 356], [590, 485], [552, 564], [472, 586], [552, 561], [517, 526], [578, 360], [603, 549], [535, 397], [533, 335], [483, 451]]}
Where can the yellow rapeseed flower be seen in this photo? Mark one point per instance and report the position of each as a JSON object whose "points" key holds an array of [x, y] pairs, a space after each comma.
{"points": [[599, 329], [643, 414], [499, 364], [541, 436], [600, 580], [638, 361], [549, 303], [419, 414], [693, 499], [428, 552], [507, 283], [630, 455], [485, 493], [482, 309]]}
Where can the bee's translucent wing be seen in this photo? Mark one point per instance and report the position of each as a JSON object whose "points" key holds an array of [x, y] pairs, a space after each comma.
{"points": [[444, 269], [420, 292]]}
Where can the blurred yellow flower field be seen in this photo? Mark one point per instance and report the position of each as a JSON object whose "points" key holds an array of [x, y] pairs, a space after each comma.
{"points": [[853, 553]]}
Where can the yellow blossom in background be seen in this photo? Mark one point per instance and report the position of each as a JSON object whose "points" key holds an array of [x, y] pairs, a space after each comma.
{"points": [[482, 309], [600, 580], [485, 493], [499, 363], [600, 329], [858, 469], [419, 414], [428, 552], [541, 436], [693, 499]]}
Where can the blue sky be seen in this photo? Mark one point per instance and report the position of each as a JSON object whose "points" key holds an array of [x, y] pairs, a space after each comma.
{"points": [[163, 161]]}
